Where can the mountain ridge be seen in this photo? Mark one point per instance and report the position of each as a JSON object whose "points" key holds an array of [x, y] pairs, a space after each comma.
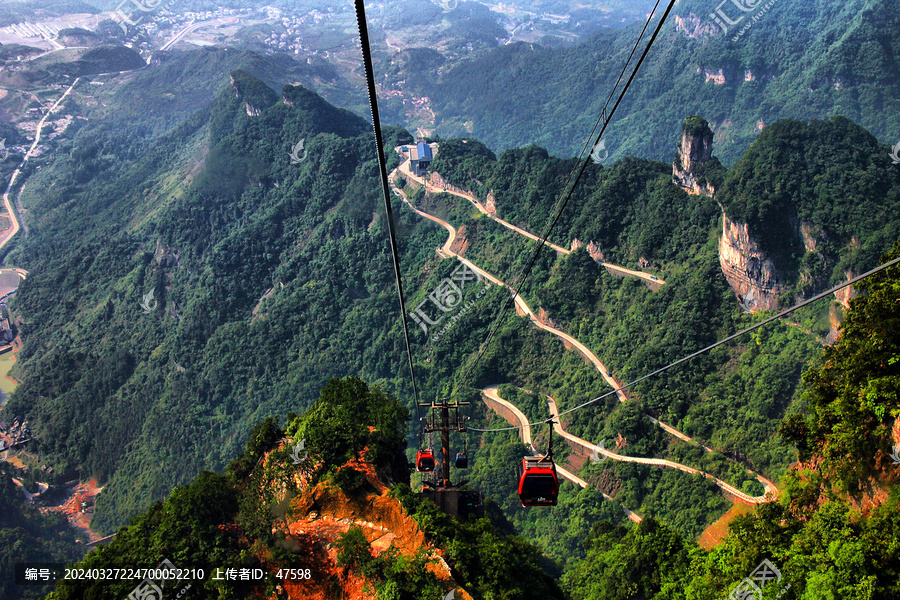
{"points": [[739, 86], [264, 273]]}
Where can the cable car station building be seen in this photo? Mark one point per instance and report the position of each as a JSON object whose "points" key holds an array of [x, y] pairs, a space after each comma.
{"points": [[420, 157]]}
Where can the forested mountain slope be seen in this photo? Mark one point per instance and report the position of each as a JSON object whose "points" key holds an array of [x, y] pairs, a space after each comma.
{"points": [[331, 521], [834, 534], [802, 60], [151, 101], [821, 198], [332, 511], [253, 262], [631, 214], [269, 274]]}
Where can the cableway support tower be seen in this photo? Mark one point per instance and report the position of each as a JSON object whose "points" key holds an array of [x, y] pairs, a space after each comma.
{"points": [[444, 417]]}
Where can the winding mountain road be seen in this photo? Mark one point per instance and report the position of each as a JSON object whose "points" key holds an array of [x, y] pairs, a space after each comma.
{"points": [[523, 308], [746, 498], [477, 203], [12, 181], [651, 279], [492, 393], [521, 305], [404, 168], [445, 250], [525, 431]]}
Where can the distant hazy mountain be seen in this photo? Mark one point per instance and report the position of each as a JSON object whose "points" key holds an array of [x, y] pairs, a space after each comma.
{"points": [[803, 59]]}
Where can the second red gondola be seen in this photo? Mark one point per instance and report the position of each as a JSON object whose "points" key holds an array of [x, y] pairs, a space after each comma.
{"points": [[425, 461]]}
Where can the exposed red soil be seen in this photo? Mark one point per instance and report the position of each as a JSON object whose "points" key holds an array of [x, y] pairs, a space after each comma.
{"points": [[80, 517], [718, 531], [320, 515]]}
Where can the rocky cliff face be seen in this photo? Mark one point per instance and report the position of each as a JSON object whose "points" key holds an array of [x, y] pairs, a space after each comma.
{"points": [[694, 151], [490, 205], [694, 27], [435, 179], [255, 94], [754, 278], [749, 272], [846, 294], [595, 252]]}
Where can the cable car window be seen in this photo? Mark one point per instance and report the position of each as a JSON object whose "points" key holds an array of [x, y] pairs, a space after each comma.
{"points": [[539, 485]]}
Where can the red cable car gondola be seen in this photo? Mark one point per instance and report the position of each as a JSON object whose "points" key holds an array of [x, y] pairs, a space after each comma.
{"points": [[425, 461], [538, 483]]}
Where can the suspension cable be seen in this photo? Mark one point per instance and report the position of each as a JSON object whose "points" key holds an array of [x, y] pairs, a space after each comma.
{"points": [[385, 187], [710, 347], [566, 194], [601, 119]]}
